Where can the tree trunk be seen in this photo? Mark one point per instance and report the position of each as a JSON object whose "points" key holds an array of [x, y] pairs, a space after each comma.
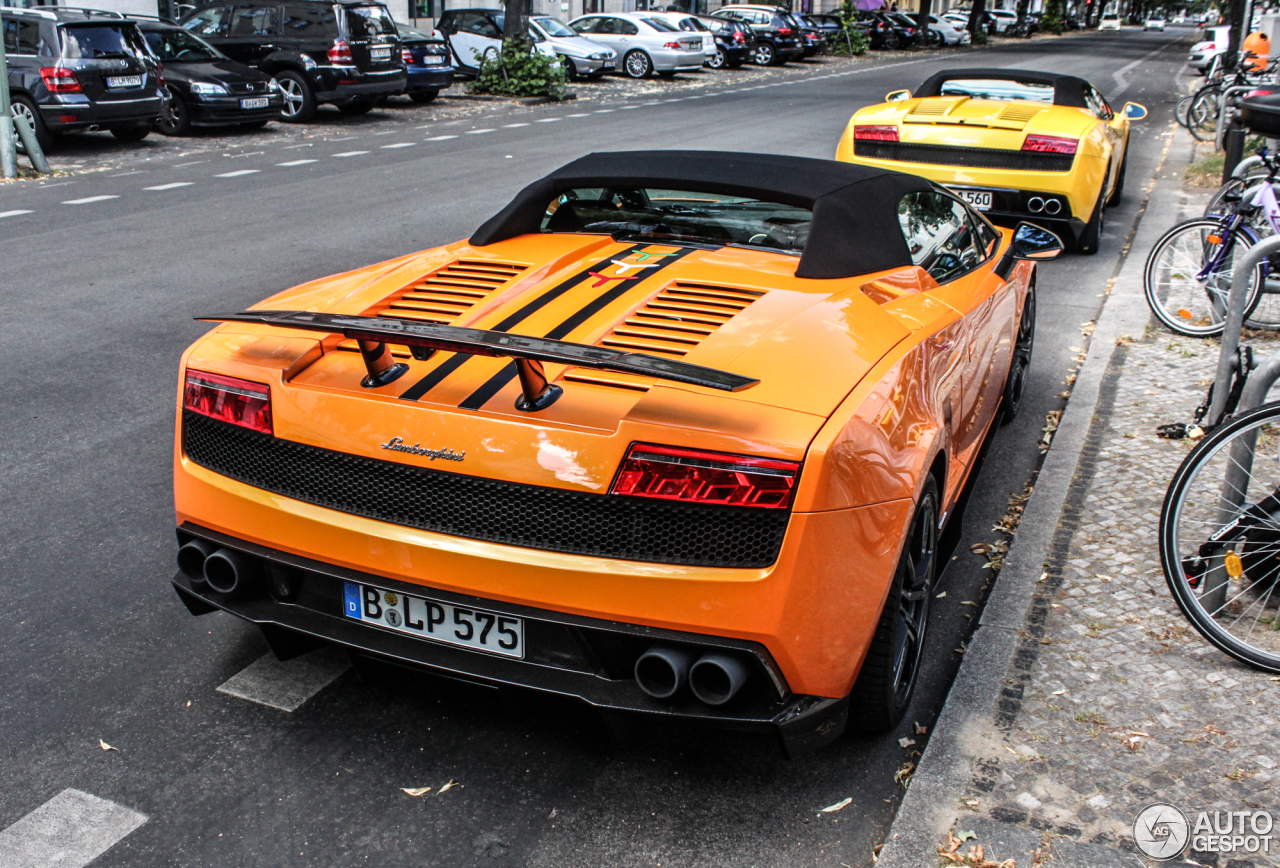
{"points": [[975, 17], [1022, 11], [1235, 17], [516, 25], [922, 21]]}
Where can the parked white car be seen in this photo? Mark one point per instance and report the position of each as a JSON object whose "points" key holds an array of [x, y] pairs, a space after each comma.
{"points": [[951, 32], [1155, 22], [690, 24], [1203, 53], [474, 33], [1004, 19], [645, 42], [1110, 21]]}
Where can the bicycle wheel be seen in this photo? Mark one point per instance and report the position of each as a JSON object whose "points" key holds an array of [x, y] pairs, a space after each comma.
{"points": [[1180, 111], [1220, 537], [1177, 296], [1202, 114], [1218, 204]]}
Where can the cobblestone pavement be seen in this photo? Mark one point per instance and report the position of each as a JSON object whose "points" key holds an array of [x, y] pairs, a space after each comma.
{"points": [[1113, 702]]}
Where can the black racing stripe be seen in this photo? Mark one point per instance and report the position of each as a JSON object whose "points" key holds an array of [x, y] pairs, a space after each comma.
{"points": [[433, 379], [495, 384]]}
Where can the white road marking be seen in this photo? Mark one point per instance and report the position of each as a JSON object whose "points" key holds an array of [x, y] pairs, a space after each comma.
{"points": [[246, 154], [69, 831], [297, 162], [303, 145], [350, 154], [478, 132], [237, 173], [439, 138], [4, 214], [546, 120], [579, 115], [605, 111], [627, 108], [343, 139], [287, 685], [400, 144], [123, 174], [192, 163], [86, 201], [509, 126], [172, 186]]}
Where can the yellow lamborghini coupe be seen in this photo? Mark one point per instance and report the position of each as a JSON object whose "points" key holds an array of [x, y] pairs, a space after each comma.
{"points": [[1016, 145]]}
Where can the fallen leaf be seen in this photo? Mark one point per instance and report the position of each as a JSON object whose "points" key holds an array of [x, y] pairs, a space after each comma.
{"points": [[449, 786], [969, 603], [1059, 692], [416, 791], [905, 743], [838, 806], [921, 730], [944, 593], [102, 744]]}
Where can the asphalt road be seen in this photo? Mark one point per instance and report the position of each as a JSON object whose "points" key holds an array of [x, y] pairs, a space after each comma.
{"points": [[97, 300]]}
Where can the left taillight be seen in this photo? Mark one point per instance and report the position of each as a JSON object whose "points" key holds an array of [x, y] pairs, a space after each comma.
{"points": [[59, 80], [228, 399], [407, 56], [875, 132], [1050, 145], [693, 476]]}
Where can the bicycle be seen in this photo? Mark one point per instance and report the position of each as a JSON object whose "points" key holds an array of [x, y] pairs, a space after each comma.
{"points": [[1189, 270]]}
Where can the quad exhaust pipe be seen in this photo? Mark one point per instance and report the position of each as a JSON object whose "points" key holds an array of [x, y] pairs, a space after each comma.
{"points": [[715, 678]]}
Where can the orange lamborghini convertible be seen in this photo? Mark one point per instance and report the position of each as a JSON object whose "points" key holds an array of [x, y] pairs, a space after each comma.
{"points": [[674, 433]]}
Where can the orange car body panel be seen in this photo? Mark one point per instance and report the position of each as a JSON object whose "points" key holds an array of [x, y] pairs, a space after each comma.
{"points": [[866, 380]]}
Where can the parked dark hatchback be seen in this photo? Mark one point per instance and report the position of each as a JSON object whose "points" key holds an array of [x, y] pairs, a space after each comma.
{"points": [[880, 33], [206, 87], [907, 27], [815, 38], [73, 69], [776, 38], [347, 54], [735, 41], [426, 60]]}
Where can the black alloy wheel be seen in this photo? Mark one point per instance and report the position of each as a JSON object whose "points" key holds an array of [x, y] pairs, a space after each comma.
{"points": [[637, 64], [1016, 383], [299, 100], [765, 54], [892, 666], [23, 107], [178, 120]]}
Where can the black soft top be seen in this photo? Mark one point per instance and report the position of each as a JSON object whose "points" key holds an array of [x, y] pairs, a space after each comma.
{"points": [[855, 227], [1068, 90]]}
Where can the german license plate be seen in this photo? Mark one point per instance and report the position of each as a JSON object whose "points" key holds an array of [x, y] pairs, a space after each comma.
{"points": [[124, 81], [380, 53], [979, 199], [432, 619], [255, 102]]}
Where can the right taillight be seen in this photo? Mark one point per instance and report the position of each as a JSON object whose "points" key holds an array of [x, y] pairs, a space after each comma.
{"points": [[59, 80], [784, 31], [340, 52], [739, 36], [1050, 145], [875, 132], [694, 476], [228, 399]]}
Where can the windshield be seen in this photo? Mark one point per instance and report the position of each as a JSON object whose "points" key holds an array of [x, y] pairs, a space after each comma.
{"points": [[554, 27], [407, 32], [369, 23], [91, 41], [647, 214], [991, 88], [180, 45]]}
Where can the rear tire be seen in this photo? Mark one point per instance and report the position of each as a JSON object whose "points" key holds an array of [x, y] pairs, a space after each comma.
{"points": [[1117, 193], [178, 121], [765, 54], [1091, 238], [299, 100], [719, 61], [889, 673], [23, 106], [131, 133], [1016, 383]]}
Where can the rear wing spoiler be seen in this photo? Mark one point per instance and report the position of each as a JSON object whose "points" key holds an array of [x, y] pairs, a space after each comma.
{"points": [[423, 339]]}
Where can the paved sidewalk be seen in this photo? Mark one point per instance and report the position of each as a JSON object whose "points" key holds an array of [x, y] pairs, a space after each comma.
{"points": [[1107, 700]]}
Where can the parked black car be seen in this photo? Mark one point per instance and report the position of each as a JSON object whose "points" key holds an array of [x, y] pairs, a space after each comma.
{"points": [[830, 25], [426, 60], [735, 41], [905, 25], [345, 53], [814, 37], [777, 40], [72, 69], [881, 35], [207, 88]]}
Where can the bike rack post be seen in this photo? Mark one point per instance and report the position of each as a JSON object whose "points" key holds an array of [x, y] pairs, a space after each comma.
{"points": [[1234, 322], [1225, 108]]}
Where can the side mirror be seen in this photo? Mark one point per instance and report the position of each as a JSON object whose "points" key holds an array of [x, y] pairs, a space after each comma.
{"points": [[1134, 112], [1034, 243], [897, 95]]}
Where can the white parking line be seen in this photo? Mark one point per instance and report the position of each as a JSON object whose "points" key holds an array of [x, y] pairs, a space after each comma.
{"points": [[627, 108], [297, 162], [69, 831], [287, 685], [4, 214], [605, 111], [579, 115], [238, 172], [192, 163], [172, 186], [439, 138], [546, 120], [350, 154], [88, 200], [123, 174], [303, 145], [510, 126], [478, 132], [400, 144]]}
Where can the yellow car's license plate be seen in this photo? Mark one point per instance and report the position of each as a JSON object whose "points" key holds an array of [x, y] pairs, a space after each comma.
{"points": [[979, 199], [433, 619]]}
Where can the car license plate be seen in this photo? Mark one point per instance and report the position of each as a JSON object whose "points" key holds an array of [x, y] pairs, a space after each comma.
{"points": [[432, 619], [255, 102], [979, 199], [124, 81], [433, 60], [380, 54]]}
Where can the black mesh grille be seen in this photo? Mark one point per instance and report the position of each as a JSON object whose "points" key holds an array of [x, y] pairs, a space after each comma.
{"points": [[976, 158], [631, 528]]}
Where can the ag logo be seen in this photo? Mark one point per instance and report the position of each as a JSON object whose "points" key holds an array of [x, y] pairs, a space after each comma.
{"points": [[1161, 831]]}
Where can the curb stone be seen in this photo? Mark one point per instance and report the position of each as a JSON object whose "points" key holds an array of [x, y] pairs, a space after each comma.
{"points": [[968, 719]]}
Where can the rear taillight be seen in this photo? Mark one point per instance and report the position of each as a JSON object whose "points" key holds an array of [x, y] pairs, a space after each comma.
{"points": [[59, 80], [676, 46], [784, 31], [693, 476], [739, 36], [406, 55], [876, 133], [1050, 145], [340, 52], [1258, 93], [228, 399]]}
